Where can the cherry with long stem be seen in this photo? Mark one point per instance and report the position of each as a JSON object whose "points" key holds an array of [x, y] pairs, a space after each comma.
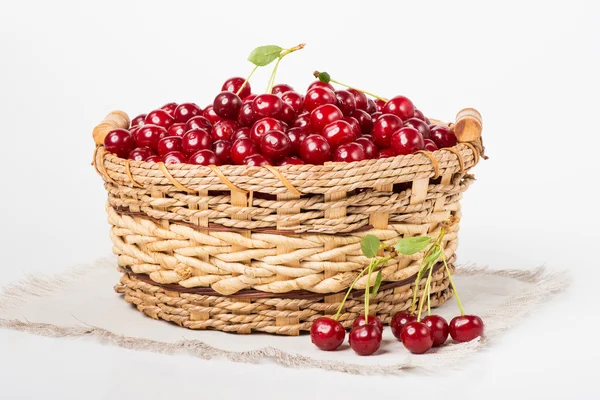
{"points": [[326, 78]]}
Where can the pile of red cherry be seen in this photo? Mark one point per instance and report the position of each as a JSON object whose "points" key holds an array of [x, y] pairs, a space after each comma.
{"points": [[417, 336], [280, 128]]}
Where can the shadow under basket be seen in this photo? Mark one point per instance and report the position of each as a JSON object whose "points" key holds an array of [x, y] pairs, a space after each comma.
{"points": [[271, 249]]}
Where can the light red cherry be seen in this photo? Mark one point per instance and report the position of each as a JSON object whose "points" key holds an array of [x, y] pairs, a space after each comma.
{"points": [[294, 100], [324, 115], [169, 107], [169, 144], [465, 328], [160, 118], [320, 84], [315, 150], [241, 132], [406, 140], [349, 152], [256, 160], [141, 154], [354, 125], [210, 114], [383, 128], [119, 142], [430, 145], [421, 116], [149, 136], [275, 145], [223, 130], [372, 320], [400, 106], [290, 161], [416, 337], [281, 88], [153, 158], [185, 111], [138, 121], [327, 334], [177, 129], [337, 133], [379, 104], [365, 340], [267, 105], [203, 157], [386, 153], [318, 96], [198, 122], [262, 126], [234, 84], [241, 149], [302, 121], [195, 140], [370, 149], [399, 321], [222, 150], [174, 157], [439, 329]]}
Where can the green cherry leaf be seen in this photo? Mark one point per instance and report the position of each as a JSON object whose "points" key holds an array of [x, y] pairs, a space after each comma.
{"points": [[377, 284], [412, 245], [324, 77], [370, 246], [435, 254], [264, 55]]}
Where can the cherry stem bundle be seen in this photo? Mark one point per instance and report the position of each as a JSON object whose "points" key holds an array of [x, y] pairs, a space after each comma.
{"points": [[326, 78]]}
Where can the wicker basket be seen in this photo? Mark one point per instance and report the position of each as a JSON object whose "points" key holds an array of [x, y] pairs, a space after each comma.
{"points": [[271, 249]]}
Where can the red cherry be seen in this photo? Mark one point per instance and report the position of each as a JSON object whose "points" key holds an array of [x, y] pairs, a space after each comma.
{"points": [[400, 106], [371, 106], [297, 136], [406, 141], [290, 161], [174, 157], [267, 105], [160, 118], [327, 334], [315, 150], [275, 145], [169, 144], [177, 129], [421, 116], [324, 115], [416, 337], [234, 84], [369, 147], [466, 328], [345, 101], [242, 132], [133, 131], [227, 105], [354, 125], [383, 128], [141, 154], [154, 159], [429, 145], [287, 114], [210, 114], [379, 104], [438, 327], [386, 153], [419, 125], [185, 111], [443, 136], [250, 98], [349, 152], [281, 88], [263, 126], [223, 130], [203, 157], [318, 96], [149, 135], [256, 160], [169, 107], [195, 140], [373, 320], [364, 120], [365, 340], [320, 84], [198, 122], [222, 150], [302, 121], [293, 99], [338, 133], [139, 120], [375, 115], [399, 321], [246, 116], [119, 142], [360, 98], [241, 149]]}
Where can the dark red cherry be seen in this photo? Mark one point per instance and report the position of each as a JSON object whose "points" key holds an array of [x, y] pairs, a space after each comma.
{"points": [[349, 152], [327, 334], [142, 154], [320, 84], [383, 128], [234, 84], [360, 98], [263, 126], [345, 101], [242, 148], [365, 340], [369, 147], [275, 145], [337, 133], [371, 107], [138, 121], [169, 107], [421, 116], [242, 132], [399, 321], [227, 105], [246, 116], [364, 120], [466, 328], [267, 105], [318, 96], [406, 140], [438, 327], [419, 125], [174, 157], [416, 337], [177, 129], [293, 99], [302, 121], [287, 114], [153, 158], [133, 131], [443, 136], [324, 115], [400, 106], [379, 104], [281, 88], [169, 144], [119, 142], [223, 130], [296, 136], [149, 135], [159, 118], [315, 150], [373, 320], [290, 161], [195, 140], [185, 111], [198, 122], [354, 125], [203, 157], [430, 145], [256, 160], [210, 114], [386, 153], [222, 150]]}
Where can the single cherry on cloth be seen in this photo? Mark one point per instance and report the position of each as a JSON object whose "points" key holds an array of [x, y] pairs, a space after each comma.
{"points": [[345, 101], [241, 149], [256, 160], [364, 120], [416, 337], [406, 140], [169, 107], [185, 111], [373, 320], [227, 105], [465, 328], [149, 135], [174, 157], [438, 327], [234, 84], [177, 129], [290, 161], [349, 152], [371, 150], [120, 142], [195, 140], [296, 136], [365, 339], [320, 84], [318, 96], [338, 133], [160, 118], [246, 115], [210, 114], [294, 100], [315, 150], [275, 145], [354, 125], [138, 121], [222, 150], [419, 125], [399, 321], [267, 105], [203, 157], [386, 153], [361, 100], [442, 136], [430, 145], [327, 334], [241, 132], [198, 122], [262, 126], [169, 144], [383, 128], [153, 158], [281, 88], [223, 130], [400, 106], [302, 121], [323, 115], [141, 154]]}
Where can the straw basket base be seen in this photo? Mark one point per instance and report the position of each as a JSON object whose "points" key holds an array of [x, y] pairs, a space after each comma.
{"points": [[277, 315]]}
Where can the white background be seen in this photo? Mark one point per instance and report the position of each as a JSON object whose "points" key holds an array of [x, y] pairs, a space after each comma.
{"points": [[531, 68]]}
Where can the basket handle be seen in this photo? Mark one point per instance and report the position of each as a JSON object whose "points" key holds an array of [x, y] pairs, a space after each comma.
{"points": [[114, 120], [468, 125]]}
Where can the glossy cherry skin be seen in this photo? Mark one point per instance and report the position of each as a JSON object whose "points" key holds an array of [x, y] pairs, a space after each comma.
{"points": [[386, 153], [138, 121], [315, 150], [302, 121], [364, 120], [141, 154], [203, 157], [416, 337], [419, 125], [354, 125], [195, 140], [241, 149], [327, 334], [406, 140], [296, 136], [281, 88], [376, 115], [234, 84], [421, 116], [365, 340], [318, 96], [241, 132], [373, 320], [227, 105], [222, 150], [345, 101], [159, 118], [153, 158], [174, 157], [370, 149], [443, 136], [149, 135], [169, 107], [223, 130], [349, 152], [256, 160], [263, 126], [198, 122], [275, 145], [294, 100], [177, 129], [250, 98], [210, 114], [399, 321], [267, 105], [324, 115], [465, 328], [185, 111], [438, 327], [246, 115], [360, 99], [379, 104], [119, 142], [169, 144], [320, 85], [287, 114], [371, 106], [338, 133], [400, 106], [290, 161], [383, 128], [430, 145]]}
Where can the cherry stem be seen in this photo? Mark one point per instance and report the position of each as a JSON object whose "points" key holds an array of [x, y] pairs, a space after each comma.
{"points": [[339, 310], [283, 54], [460, 307], [317, 73], [425, 293], [246, 81], [367, 291]]}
